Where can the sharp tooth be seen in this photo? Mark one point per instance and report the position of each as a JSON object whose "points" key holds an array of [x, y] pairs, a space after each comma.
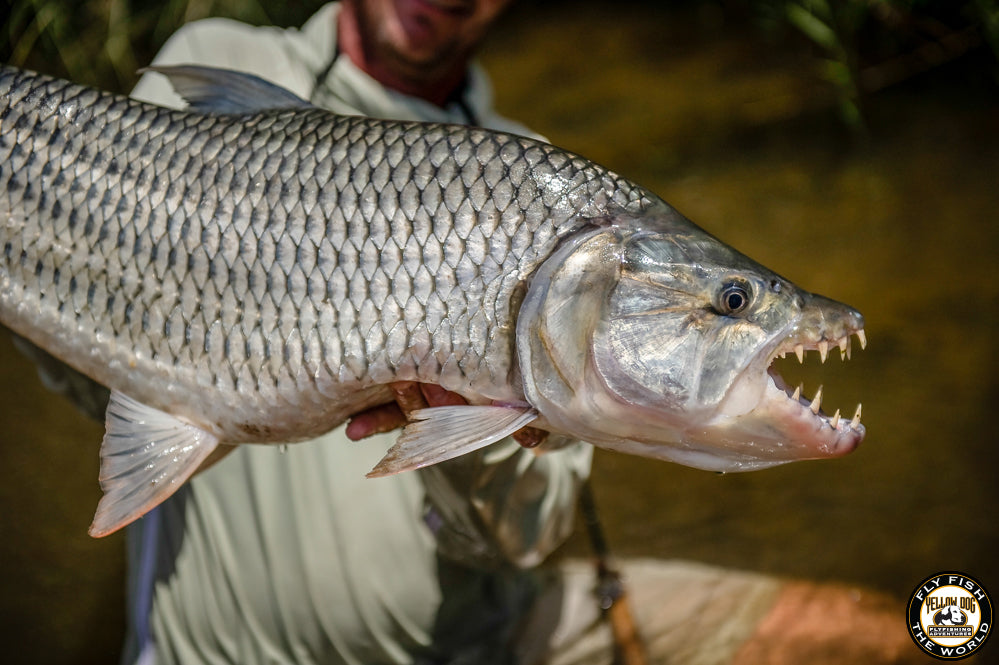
{"points": [[863, 339], [844, 346], [799, 350], [856, 418], [835, 419], [823, 350], [817, 401], [797, 394]]}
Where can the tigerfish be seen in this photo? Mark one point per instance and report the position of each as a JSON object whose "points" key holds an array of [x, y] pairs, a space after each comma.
{"points": [[253, 269]]}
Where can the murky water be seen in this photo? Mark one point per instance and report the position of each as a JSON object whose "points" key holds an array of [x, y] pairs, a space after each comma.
{"points": [[901, 224]]}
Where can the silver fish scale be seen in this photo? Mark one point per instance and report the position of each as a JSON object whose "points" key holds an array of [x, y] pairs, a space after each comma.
{"points": [[260, 274]]}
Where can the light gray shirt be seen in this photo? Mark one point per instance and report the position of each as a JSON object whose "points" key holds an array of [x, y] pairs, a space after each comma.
{"points": [[282, 556]]}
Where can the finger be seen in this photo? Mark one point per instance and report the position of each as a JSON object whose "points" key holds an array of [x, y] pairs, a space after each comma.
{"points": [[376, 420], [437, 396], [408, 396], [529, 437]]}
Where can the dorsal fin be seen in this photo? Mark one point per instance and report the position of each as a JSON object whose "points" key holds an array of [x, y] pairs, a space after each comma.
{"points": [[225, 91]]}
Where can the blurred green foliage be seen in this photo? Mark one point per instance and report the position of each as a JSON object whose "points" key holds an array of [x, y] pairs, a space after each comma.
{"points": [[859, 46], [863, 46], [104, 42]]}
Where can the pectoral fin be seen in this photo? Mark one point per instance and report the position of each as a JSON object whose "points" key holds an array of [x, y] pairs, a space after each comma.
{"points": [[445, 432], [145, 456]]}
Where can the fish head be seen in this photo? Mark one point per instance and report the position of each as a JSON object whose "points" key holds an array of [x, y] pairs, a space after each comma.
{"points": [[652, 337]]}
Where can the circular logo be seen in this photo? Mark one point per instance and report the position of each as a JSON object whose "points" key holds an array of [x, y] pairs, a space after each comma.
{"points": [[950, 615]]}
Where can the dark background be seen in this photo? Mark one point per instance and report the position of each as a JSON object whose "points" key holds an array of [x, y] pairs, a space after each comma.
{"points": [[860, 160]]}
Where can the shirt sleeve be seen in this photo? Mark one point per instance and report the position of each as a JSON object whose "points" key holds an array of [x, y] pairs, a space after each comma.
{"points": [[268, 52]]}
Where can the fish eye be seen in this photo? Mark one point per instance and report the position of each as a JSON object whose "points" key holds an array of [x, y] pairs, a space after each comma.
{"points": [[733, 298]]}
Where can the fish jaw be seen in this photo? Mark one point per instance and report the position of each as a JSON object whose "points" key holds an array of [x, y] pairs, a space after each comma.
{"points": [[622, 342], [761, 415]]}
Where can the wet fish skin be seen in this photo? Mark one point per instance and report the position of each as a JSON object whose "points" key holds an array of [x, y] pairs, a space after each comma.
{"points": [[282, 261], [260, 275]]}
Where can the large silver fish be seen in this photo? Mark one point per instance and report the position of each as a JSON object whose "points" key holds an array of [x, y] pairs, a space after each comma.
{"points": [[256, 270]]}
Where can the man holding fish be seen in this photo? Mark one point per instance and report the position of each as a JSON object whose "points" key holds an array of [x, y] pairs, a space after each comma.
{"points": [[292, 555]]}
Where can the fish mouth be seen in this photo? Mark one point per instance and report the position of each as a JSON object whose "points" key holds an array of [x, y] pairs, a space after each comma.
{"points": [[807, 421]]}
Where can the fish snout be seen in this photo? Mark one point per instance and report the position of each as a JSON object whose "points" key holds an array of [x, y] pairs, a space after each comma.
{"points": [[827, 319]]}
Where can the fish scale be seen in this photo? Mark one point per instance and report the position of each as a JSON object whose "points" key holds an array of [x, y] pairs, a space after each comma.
{"points": [[256, 262], [260, 275]]}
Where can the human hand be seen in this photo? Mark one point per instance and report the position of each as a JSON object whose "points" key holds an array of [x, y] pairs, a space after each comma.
{"points": [[409, 396]]}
